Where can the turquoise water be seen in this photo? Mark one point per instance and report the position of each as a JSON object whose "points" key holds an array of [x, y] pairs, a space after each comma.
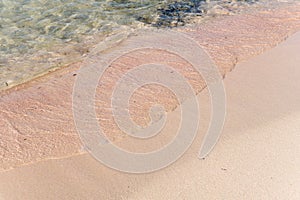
{"points": [[40, 35]]}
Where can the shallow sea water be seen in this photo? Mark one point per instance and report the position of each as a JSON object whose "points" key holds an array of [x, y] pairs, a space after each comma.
{"points": [[38, 36]]}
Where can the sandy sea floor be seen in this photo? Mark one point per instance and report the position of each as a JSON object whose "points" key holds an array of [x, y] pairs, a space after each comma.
{"points": [[39, 36], [41, 156]]}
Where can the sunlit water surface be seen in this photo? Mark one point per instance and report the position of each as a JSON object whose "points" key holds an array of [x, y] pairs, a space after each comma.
{"points": [[37, 36]]}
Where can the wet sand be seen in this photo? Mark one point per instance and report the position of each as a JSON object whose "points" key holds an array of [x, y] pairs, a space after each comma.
{"points": [[36, 118], [256, 157]]}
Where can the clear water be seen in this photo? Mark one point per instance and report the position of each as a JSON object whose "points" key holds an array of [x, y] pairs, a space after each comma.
{"points": [[41, 35]]}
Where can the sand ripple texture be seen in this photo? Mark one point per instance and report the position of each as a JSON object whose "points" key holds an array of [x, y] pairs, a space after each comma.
{"points": [[36, 121]]}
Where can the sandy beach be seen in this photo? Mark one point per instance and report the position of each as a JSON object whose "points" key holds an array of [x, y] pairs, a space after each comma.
{"points": [[256, 157], [42, 157], [36, 117]]}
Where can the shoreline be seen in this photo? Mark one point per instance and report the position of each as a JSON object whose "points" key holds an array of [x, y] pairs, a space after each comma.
{"points": [[212, 17], [256, 157], [59, 54], [35, 116]]}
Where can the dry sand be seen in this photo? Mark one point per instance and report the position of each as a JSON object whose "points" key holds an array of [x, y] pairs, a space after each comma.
{"points": [[257, 156], [36, 121]]}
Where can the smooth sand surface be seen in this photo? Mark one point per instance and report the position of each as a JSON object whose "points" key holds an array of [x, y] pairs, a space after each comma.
{"points": [[36, 121], [257, 156]]}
